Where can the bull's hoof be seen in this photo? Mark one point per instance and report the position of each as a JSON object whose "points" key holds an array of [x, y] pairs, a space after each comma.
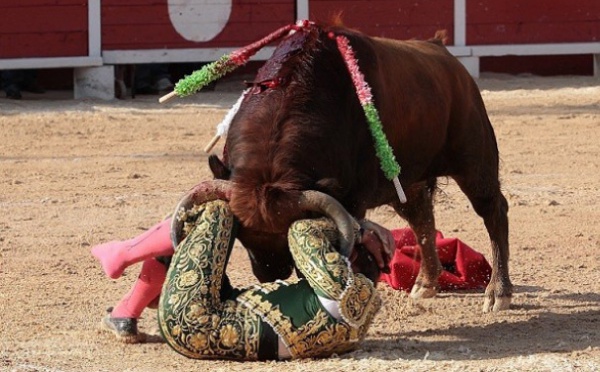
{"points": [[420, 291], [495, 304]]}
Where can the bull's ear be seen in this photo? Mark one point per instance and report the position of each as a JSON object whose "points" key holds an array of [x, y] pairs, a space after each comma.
{"points": [[330, 186], [218, 169]]}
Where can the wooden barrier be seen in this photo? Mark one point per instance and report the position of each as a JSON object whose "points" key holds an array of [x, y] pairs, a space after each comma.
{"points": [[92, 35]]}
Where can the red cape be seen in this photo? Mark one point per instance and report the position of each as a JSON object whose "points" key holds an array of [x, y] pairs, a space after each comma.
{"points": [[463, 267]]}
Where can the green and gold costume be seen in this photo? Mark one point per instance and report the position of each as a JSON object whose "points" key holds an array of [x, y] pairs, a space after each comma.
{"points": [[202, 316]]}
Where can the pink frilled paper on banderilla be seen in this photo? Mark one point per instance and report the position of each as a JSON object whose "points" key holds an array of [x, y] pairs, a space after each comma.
{"points": [[463, 267]]}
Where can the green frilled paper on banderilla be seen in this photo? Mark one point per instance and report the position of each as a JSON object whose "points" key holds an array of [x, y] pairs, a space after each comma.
{"points": [[389, 165], [206, 75]]}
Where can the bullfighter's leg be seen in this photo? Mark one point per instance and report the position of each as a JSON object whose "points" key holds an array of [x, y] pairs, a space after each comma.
{"points": [[144, 292], [195, 315], [483, 191], [115, 256], [122, 319], [418, 211]]}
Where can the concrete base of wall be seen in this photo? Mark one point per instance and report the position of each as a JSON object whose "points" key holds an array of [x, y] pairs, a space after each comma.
{"points": [[94, 82], [471, 64]]}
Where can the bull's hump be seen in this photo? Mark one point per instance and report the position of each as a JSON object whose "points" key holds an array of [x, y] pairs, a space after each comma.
{"points": [[289, 47]]}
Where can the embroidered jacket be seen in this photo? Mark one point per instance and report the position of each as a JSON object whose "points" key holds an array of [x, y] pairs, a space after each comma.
{"points": [[293, 308], [202, 316]]}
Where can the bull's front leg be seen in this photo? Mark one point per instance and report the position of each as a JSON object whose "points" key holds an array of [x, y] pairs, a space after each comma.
{"points": [[418, 211], [426, 284]]}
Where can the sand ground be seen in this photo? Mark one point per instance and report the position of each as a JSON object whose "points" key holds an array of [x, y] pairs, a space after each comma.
{"points": [[77, 173]]}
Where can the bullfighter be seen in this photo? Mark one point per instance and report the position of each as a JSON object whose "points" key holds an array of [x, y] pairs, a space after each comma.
{"points": [[202, 316]]}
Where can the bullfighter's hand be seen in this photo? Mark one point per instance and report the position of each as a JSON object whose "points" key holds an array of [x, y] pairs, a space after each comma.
{"points": [[379, 241]]}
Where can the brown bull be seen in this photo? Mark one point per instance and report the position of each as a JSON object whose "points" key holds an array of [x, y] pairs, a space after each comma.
{"points": [[301, 127]]}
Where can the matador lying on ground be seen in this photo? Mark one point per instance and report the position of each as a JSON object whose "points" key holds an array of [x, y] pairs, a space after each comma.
{"points": [[202, 316]]}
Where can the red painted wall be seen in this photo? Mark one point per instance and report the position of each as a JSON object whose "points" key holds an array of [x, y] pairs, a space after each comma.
{"points": [[58, 28], [145, 24], [488, 22], [532, 21], [43, 28], [397, 19]]}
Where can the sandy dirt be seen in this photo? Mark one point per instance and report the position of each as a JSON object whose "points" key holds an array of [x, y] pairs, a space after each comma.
{"points": [[77, 173]]}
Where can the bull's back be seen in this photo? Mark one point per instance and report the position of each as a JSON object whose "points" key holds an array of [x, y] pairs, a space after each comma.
{"points": [[427, 102]]}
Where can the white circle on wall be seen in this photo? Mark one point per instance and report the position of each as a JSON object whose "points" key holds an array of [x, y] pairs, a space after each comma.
{"points": [[199, 20]]}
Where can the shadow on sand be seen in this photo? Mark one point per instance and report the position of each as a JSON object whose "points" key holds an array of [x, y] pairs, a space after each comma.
{"points": [[544, 332]]}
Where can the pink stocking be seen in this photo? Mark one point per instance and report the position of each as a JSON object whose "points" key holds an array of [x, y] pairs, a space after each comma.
{"points": [[144, 291], [115, 256]]}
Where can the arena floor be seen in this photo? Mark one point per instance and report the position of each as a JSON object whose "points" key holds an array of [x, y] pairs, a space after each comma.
{"points": [[77, 173]]}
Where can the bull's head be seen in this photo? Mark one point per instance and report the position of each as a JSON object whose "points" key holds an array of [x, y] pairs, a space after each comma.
{"points": [[299, 127], [308, 201]]}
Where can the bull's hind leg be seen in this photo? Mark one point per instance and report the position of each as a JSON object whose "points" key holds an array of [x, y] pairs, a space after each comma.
{"points": [[418, 211], [483, 190]]}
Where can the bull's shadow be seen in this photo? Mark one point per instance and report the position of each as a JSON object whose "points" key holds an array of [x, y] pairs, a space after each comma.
{"points": [[545, 332]]}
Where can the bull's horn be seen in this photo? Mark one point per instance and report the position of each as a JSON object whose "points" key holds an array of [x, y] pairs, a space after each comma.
{"points": [[317, 201], [199, 194]]}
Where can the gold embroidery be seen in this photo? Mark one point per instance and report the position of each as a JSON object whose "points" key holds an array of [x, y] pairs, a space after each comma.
{"points": [[188, 279], [321, 336], [193, 320], [229, 336], [196, 324], [268, 287], [311, 243], [359, 302], [328, 273]]}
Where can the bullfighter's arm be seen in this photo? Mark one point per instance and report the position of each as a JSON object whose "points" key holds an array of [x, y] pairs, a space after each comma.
{"points": [[379, 241], [328, 272]]}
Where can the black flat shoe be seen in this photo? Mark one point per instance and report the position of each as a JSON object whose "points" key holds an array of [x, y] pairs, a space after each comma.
{"points": [[124, 329]]}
